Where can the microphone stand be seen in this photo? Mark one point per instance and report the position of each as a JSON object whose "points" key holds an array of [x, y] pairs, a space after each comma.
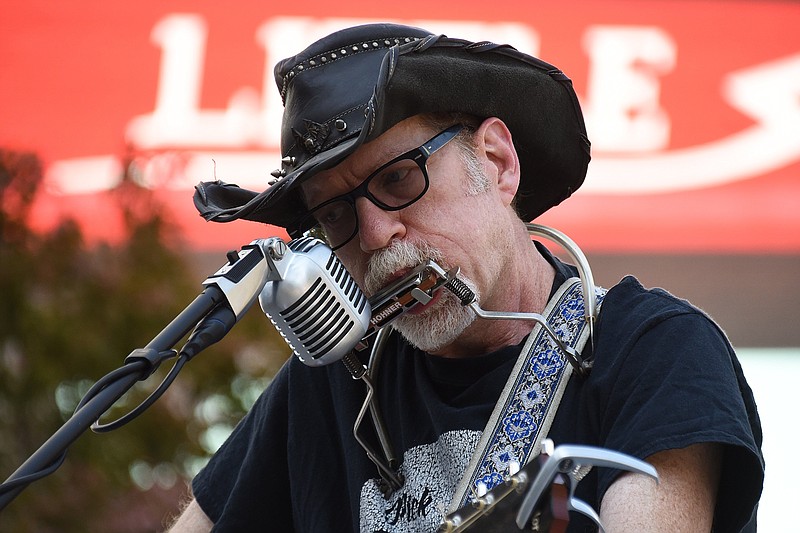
{"points": [[139, 365], [228, 294]]}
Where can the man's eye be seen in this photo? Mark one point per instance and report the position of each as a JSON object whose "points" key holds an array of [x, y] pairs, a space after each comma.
{"points": [[397, 181], [394, 177], [331, 215]]}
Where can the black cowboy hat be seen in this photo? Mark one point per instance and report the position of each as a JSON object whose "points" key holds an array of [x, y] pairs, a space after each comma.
{"points": [[353, 85]]}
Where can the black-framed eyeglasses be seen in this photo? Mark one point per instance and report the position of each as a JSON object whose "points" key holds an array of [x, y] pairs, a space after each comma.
{"points": [[394, 186]]}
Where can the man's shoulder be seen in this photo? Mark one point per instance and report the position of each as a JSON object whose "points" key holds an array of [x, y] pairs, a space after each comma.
{"points": [[630, 310], [634, 300]]}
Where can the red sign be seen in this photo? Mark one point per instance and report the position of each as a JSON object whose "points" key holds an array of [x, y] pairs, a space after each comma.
{"points": [[693, 108]]}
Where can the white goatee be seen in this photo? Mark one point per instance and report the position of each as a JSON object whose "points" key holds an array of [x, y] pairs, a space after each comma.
{"points": [[438, 325]]}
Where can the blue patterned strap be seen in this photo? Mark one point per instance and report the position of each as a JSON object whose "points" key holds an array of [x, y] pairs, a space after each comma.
{"points": [[525, 410]]}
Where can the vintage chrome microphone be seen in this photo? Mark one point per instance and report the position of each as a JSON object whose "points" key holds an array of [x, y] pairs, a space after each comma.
{"points": [[313, 301]]}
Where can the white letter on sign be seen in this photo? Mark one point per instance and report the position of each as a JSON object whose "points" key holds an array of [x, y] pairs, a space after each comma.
{"points": [[622, 101]]}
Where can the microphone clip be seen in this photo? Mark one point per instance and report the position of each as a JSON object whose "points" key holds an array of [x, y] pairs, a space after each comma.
{"points": [[243, 277]]}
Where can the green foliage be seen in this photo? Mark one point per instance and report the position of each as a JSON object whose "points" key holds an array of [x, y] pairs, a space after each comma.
{"points": [[69, 314]]}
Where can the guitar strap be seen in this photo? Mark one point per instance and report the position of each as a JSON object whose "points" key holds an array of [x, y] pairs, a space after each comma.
{"points": [[527, 406]]}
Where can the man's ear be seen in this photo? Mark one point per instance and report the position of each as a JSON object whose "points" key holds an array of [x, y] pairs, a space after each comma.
{"points": [[493, 139]]}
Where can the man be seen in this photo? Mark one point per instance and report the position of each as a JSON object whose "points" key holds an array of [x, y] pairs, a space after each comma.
{"points": [[403, 146]]}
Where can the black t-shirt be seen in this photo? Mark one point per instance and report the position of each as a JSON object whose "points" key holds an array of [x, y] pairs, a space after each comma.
{"points": [[664, 377]]}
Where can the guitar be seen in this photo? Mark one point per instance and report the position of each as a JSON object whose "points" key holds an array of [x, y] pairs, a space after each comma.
{"points": [[540, 496]]}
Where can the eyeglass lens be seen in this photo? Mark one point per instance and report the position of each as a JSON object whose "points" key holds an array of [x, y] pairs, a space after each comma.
{"points": [[393, 186]]}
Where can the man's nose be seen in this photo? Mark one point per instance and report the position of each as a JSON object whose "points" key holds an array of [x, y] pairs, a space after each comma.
{"points": [[376, 227]]}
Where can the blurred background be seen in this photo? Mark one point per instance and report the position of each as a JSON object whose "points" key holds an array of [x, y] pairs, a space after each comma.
{"points": [[110, 112]]}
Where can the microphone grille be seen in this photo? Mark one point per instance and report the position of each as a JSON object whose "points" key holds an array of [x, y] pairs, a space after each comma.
{"points": [[318, 308], [304, 244], [335, 269]]}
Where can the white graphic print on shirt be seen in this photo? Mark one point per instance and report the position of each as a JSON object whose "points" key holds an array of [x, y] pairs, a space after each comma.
{"points": [[431, 473]]}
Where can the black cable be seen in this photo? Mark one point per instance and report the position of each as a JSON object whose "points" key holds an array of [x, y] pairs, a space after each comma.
{"points": [[210, 330], [105, 381], [97, 427]]}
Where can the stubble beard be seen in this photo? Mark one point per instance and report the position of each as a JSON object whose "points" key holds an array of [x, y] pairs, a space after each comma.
{"points": [[440, 324]]}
